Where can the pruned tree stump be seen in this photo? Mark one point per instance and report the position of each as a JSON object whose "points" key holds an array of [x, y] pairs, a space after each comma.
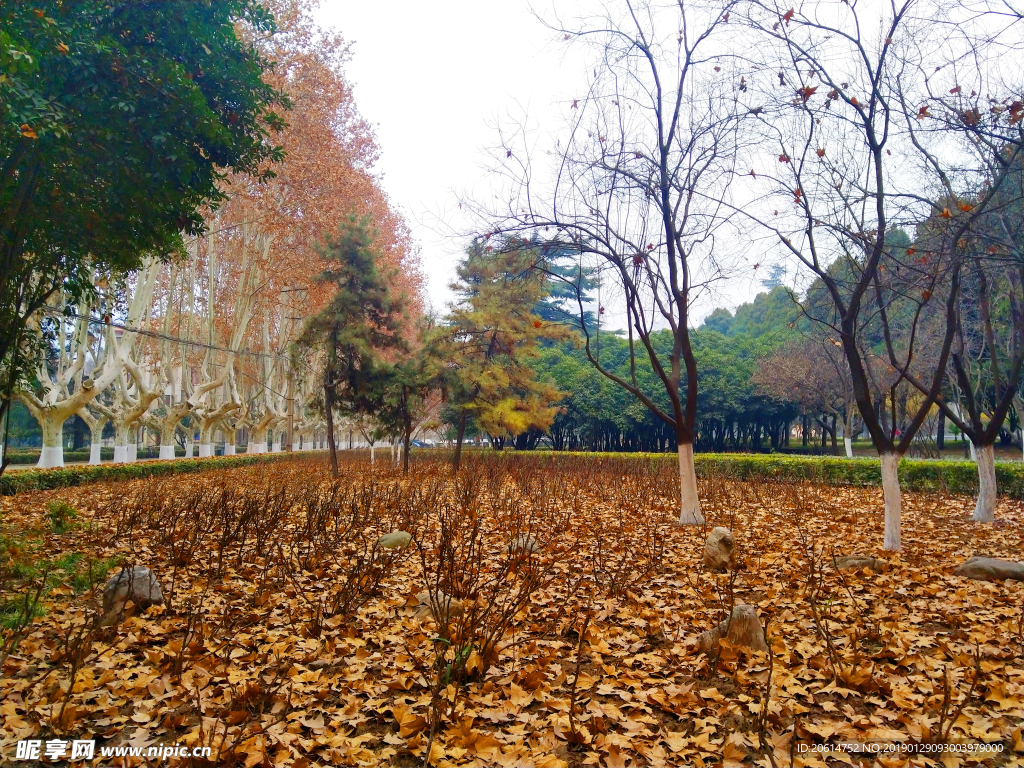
{"points": [[991, 569], [718, 550], [137, 584], [744, 629]]}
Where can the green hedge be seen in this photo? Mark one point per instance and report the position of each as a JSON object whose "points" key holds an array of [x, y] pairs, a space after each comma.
{"points": [[47, 479], [23, 456], [951, 476], [915, 475]]}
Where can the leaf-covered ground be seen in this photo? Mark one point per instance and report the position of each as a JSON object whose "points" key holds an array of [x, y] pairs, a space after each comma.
{"points": [[290, 638]]}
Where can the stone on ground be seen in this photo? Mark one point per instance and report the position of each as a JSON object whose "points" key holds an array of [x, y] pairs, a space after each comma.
{"points": [[745, 630], [395, 540], [524, 542], [849, 562], [718, 550], [137, 584], [991, 569]]}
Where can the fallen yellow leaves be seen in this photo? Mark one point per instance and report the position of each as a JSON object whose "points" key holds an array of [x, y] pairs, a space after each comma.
{"points": [[252, 656]]}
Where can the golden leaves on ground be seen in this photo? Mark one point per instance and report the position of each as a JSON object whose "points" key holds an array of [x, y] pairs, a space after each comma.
{"points": [[289, 639]]}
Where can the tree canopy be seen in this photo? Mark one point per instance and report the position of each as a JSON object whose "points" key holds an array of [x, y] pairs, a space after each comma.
{"points": [[117, 123]]}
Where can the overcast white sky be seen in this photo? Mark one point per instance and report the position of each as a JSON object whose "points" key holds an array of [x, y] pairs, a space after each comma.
{"points": [[435, 79]]}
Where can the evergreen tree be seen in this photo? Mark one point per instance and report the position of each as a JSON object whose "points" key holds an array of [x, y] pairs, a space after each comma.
{"points": [[362, 322]]}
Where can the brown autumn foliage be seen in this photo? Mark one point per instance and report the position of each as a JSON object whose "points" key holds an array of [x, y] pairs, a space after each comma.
{"points": [[289, 637]]}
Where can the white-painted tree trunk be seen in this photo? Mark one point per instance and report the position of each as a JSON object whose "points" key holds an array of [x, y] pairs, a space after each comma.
{"points": [[168, 427], [205, 450], [985, 508], [276, 446], [96, 439], [893, 501], [229, 449], [689, 511], [52, 426], [133, 452], [190, 442], [371, 453], [120, 443], [974, 452], [257, 440], [848, 442]]}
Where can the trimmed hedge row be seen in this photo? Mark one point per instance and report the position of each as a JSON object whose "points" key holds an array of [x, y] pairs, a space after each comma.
{"points": [[951, 476], [915, 475], [47, 479], [20, 457]]}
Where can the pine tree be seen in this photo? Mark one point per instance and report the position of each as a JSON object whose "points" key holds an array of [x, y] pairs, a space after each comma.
{"points": [[363, 320]]}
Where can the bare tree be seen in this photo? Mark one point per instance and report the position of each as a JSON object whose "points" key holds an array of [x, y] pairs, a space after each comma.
{"points": [[637, 191], [813, 373], [847, 166]]}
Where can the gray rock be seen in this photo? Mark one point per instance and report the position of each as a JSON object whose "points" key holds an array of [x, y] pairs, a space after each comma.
{"points": [[745, 629], [395, 540], [848, 562], [137, 584], [524, 542], [991, 569], [718, 550], [448, 607]]}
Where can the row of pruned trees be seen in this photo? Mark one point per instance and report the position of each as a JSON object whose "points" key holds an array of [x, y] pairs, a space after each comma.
{"points": [[201, 341]]}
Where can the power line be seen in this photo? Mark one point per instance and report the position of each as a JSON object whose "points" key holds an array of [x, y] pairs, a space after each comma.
{"points": [[162, 336]]}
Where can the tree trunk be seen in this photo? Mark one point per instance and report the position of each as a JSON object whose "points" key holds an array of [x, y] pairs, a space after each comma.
{"points": [[329, 408], [78, 428], [408, 430], [121, 444], [205, 441], [940, 432], [96, 441], [371, 453], [167, 429], [689, 511], [457, 459], [52, 454], [985, 509], [848, 431], [257, 441], [893, 500]]}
